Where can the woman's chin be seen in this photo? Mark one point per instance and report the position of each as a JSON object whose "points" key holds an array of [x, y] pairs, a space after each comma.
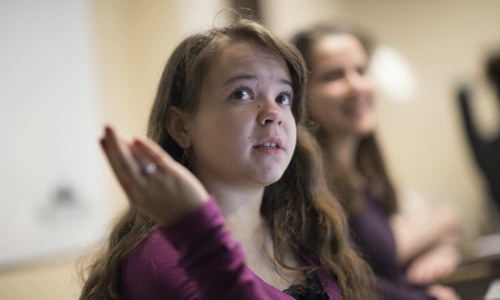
{"points": [[366, 127], [269, 178]]}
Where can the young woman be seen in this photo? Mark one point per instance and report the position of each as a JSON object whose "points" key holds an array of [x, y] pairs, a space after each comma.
{"points": [[228, 109], [341, 115]]}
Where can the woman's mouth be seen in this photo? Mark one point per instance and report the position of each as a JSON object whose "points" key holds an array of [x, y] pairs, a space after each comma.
{"points": [[357, 108], [269, 144]]}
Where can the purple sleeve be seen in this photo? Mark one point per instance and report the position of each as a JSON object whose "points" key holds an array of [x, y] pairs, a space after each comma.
{"points": [[213, 260], [374, 240]]}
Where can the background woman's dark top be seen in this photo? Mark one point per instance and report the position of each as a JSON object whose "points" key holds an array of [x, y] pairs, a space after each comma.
{"points": [[374, 241]]}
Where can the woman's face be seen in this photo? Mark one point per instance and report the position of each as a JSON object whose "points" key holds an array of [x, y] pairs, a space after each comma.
{"points": [[340, 91], [243, 132]]}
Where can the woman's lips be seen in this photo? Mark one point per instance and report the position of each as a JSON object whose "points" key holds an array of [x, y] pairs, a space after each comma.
{"points": [[356, 107], [269, 144]]}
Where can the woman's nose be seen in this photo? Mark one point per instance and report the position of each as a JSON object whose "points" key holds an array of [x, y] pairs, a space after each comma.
{"points": [[356, 82], [269, 113]]}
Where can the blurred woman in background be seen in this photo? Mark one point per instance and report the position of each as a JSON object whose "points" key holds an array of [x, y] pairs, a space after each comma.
{"points": [[340, 107]]}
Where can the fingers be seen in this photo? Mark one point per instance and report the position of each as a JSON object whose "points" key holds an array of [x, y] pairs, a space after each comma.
{"points": [[437, 263], [442, 292], [427, 271], [164, 194], [419, 273], [119, 151], [120, 159], [152, 152]]}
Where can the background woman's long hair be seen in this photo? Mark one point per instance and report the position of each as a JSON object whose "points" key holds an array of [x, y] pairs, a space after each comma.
{"points": [[369, 159], [300, 212]]}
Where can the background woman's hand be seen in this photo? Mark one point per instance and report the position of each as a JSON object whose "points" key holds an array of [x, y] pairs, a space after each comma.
{"points": [[435, 264], [156, 185], [441, 292]]}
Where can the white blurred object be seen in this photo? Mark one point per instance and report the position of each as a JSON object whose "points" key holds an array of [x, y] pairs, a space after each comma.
{"points": [[393, 74], [487, 245], [493, 292]]}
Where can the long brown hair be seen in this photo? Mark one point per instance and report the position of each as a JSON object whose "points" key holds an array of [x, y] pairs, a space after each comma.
{"points": [[369, 159], [300, 212]]}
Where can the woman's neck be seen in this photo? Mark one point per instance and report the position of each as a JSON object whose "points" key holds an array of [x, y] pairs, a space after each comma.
{"points": [[241, 207], [343, 150], [241, 204]]}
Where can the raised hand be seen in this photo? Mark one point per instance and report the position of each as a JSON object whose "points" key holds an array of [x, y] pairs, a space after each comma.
{"points": [[155, 184]]}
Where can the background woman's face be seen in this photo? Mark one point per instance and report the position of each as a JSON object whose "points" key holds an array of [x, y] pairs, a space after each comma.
{"points": [[340, 90]]}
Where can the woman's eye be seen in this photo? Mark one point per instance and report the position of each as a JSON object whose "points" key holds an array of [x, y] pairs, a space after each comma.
{"points": [[241, 94], [362, 70], [333, 75], [283, 99]]}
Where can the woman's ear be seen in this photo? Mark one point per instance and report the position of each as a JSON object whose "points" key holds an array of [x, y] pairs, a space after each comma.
{"points": [[177, 126]]}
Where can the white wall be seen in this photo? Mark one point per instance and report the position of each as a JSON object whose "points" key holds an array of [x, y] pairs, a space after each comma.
{"points": [[50, 191]]}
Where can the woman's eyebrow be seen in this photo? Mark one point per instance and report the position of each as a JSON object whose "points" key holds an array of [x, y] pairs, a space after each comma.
{"points": [[288, 82], [253, 77], [240, 77]]}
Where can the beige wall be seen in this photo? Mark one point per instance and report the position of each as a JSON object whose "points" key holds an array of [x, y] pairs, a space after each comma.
{"points": [[48, 280], [422, 139]]}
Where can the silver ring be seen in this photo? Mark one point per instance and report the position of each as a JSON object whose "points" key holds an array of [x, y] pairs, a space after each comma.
{"points": [[149, 169]]}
